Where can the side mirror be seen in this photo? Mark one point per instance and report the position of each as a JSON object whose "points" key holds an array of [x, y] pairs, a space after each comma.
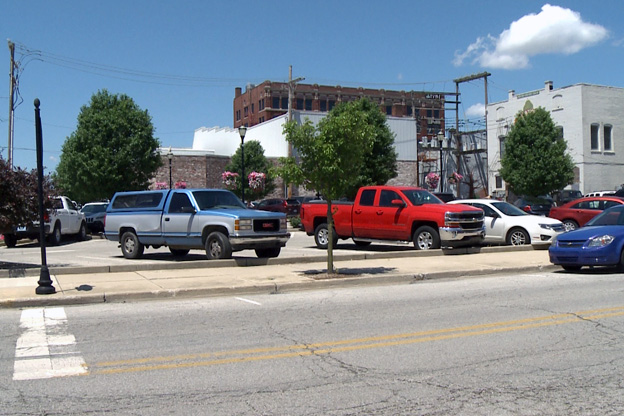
{"points": [[398, 202], [188, 210]]}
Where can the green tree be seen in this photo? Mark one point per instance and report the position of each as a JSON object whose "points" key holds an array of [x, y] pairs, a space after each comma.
{"points": [[329, 156], [113, 149], [535, 161], [255, 161], [19, 202], [379, 164]]}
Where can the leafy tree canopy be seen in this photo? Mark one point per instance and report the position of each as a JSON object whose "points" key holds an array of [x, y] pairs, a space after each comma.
{"points": [[19, 202], [535, 161], [113, 149], [330, 155], [255, 161], [379, 164]]}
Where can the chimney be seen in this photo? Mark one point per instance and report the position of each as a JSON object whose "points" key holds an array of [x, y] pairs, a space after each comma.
{"points": [[548, 85], [512, 94], [237, 92]]}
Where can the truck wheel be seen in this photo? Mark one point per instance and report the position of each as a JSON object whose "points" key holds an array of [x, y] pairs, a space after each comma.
{"points": [[55, 237], [218, 246], [131, 247], [268, 252], [82, 232], [10, 240], [518, 237], [426, 238], [321, 236], [179, 252]]}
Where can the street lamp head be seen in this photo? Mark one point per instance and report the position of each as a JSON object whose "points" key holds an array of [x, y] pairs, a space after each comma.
{"points": [[169, 154], [242, 130]]}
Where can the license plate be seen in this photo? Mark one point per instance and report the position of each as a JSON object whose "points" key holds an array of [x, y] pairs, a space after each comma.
{"points": [[21, 229]]}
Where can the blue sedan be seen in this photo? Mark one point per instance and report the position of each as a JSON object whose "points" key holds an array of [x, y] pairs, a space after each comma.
{"points": [[599, 243]]}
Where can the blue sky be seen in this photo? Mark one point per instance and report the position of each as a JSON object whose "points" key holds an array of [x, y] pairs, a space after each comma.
{"points": [[181, 60]]}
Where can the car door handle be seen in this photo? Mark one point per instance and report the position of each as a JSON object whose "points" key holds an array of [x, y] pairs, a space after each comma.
{"points": [[166, 218], [358, 211], [379, 212]]}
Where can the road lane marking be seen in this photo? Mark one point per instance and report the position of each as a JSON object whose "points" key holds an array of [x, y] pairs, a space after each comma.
{"points": [[45, 349], [249, 301], [323, 348]]}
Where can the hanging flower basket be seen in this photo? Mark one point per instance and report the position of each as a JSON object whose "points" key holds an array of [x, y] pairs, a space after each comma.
{"points": [[161, 185], [180, 185], [431, 180], [256, 181], [455, 178], [230, 180]]}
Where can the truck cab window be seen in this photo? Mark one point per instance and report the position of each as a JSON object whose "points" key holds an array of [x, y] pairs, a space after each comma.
{"points": [[367, 198], [178, 202]]}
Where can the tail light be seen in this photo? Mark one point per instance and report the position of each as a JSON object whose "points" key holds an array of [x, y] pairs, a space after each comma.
{"points": [[285, 204], [527, 208], [46, 217]]}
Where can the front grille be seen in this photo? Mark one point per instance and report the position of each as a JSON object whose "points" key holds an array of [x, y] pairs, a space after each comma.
{"points": [[266, 225], [570, 243], [467, 220]]}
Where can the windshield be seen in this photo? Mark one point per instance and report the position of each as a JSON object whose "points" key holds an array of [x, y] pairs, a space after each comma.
{"points": [[210, 199], [89, 209], [611, 216], [420, 196], [508, 209]]}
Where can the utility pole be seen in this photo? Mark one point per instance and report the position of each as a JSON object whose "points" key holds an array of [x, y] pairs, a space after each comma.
{"points": [[292, 84], [11, 102]]}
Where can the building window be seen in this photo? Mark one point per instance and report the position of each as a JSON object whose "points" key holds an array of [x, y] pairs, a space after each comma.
{"points": [[246, 111], [501, 140], [389, 110], [238, 115], [276, 102], [252, 108], [285, 103], [323, 105], [261, 105], [308, 104], [436, 114], [299, 103], [429, 113], [595, 144], [559, 132], [332, 103], [608, 144], [499, 182], [409, 110]]}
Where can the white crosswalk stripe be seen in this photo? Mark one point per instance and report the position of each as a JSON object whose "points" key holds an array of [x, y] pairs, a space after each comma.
{"points": [[45, 349]]}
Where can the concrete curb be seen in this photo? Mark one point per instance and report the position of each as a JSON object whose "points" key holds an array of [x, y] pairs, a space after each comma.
{"points": [[268, 288]]}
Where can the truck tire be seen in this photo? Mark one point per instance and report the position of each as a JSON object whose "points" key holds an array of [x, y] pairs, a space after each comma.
{"points": [[268, 252], [321, 236], [82, 232], [426, 238], [179, 252], [10, 240], [55, 237], [131, 247], [218, 246]]}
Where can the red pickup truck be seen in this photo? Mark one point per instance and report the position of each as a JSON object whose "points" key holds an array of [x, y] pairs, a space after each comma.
{"points": [[395, 213]]}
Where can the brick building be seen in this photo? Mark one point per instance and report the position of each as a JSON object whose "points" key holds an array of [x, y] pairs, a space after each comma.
{"points": [[260, 103]]}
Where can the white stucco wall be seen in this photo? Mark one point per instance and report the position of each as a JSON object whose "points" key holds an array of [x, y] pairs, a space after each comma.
{"points": [[574, 108]]}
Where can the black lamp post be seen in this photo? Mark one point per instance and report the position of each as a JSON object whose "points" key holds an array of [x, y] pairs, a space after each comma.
{"points": [[242, 130], [170, 156], [441, 144], [45, 282]]}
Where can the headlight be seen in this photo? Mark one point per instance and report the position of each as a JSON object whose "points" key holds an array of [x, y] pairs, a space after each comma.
{"points": [[603, 240], [546, 226], [242, 225]]}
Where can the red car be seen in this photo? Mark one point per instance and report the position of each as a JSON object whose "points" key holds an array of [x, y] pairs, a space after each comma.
{"points": [[575, 214]]}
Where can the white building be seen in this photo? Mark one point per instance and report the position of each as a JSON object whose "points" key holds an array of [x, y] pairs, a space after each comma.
{"points": [[592, 123]]}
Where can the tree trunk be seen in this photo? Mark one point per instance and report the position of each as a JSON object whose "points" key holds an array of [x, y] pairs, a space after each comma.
{"points": [[330, 243]]}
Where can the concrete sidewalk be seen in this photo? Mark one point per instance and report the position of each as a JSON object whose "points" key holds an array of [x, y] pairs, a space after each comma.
{"points": [[219, 278]]}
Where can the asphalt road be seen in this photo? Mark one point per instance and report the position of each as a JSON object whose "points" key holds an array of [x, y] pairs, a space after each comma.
{"points": [[97, 251], [531, 344]]}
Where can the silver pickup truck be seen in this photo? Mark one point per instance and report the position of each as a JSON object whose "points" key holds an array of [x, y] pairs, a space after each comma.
{"points": [[183, 219]]}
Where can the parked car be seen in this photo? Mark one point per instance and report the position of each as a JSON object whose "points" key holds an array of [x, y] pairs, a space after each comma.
{"points": [[599, 243], [576, 213], [287, 206], [566, 195], [445, 196], [508, 224], [601, 193], [535, 205], [94, 213]]}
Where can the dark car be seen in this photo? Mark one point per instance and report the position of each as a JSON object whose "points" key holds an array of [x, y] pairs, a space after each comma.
{"points": [[599, 243], [567, 195], [445, 196], [576, 213], [535, 205], [95, 212], [287, 206]]}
